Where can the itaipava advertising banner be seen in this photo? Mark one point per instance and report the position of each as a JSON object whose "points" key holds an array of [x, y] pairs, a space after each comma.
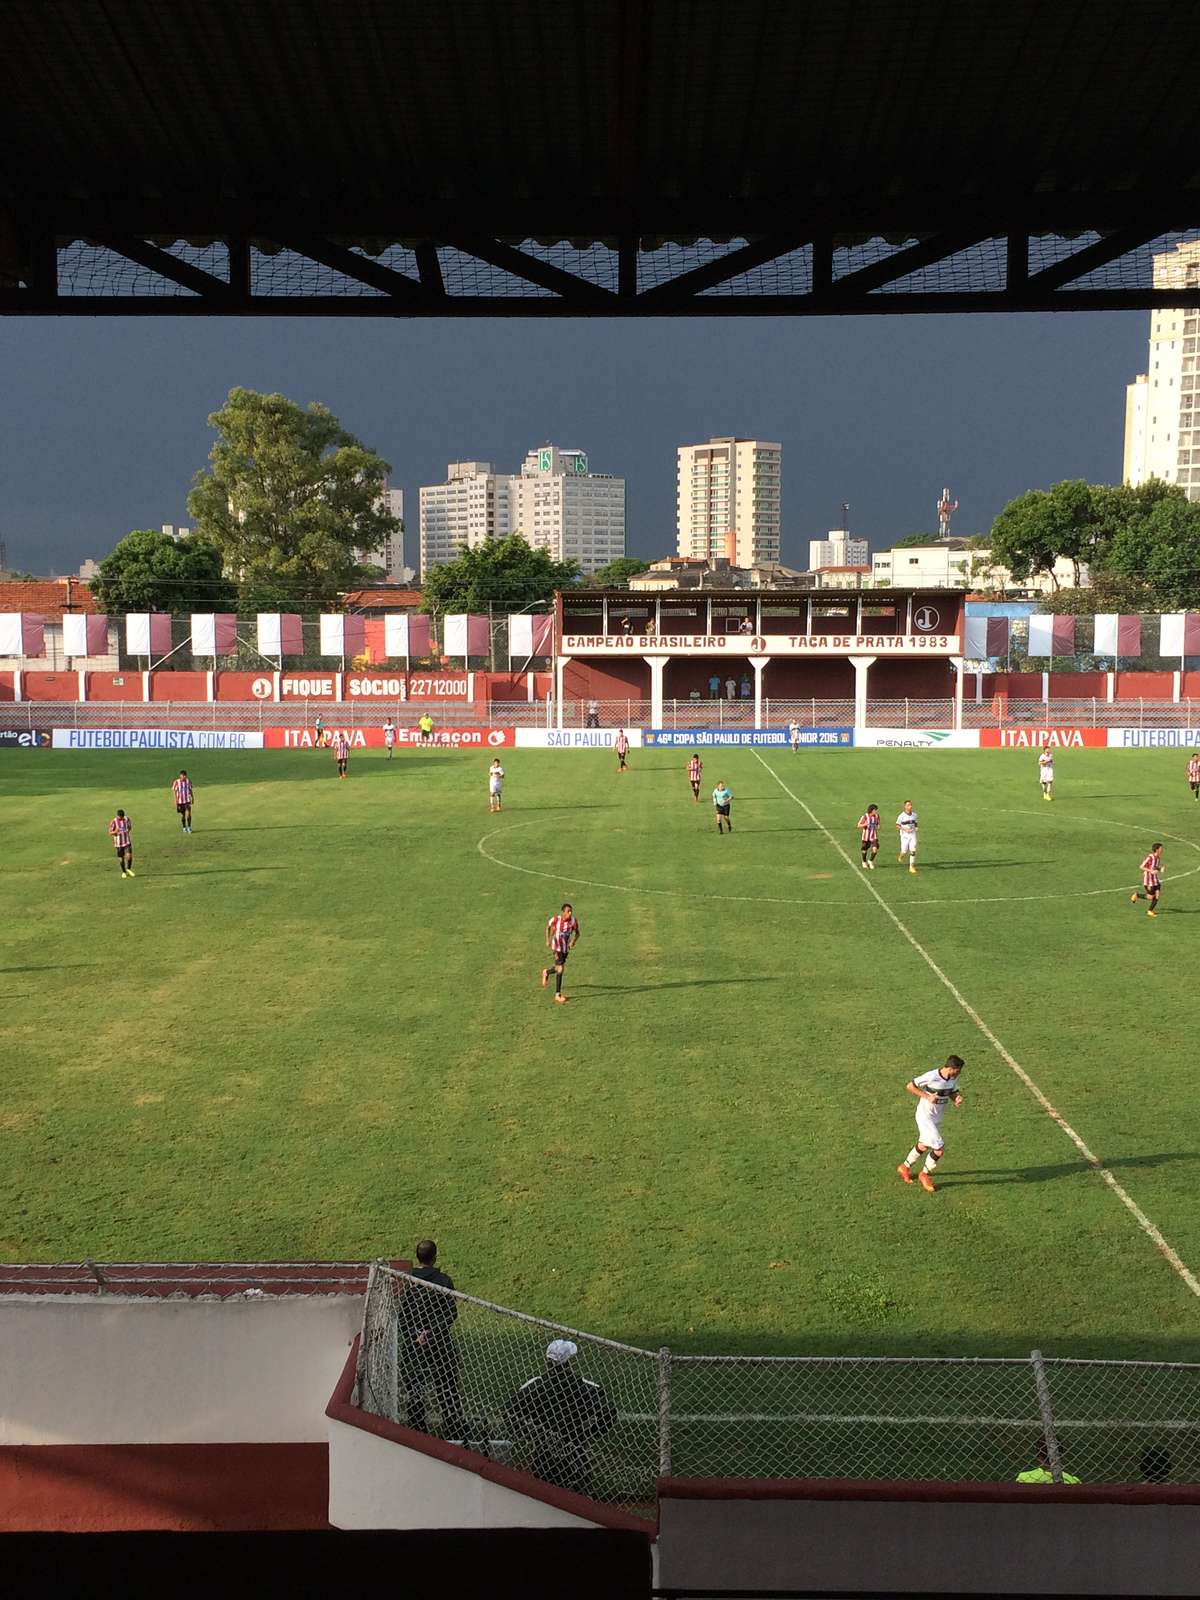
{"points": [[373, 738], [1039, 737]]}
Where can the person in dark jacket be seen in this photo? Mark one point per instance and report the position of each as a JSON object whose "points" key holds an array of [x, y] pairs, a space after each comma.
{"points": [[427, 1355], [559, 1413]]}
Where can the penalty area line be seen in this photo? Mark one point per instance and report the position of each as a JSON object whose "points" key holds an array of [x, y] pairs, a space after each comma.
{"points": [[1093, 1161]]}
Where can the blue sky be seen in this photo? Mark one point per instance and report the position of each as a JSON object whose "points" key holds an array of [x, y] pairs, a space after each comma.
{"points": [[103, 421]]}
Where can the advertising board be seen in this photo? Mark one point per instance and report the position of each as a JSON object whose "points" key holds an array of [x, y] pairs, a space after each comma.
{"points": [[1153, 738], [373, 739], [916, 738], [700, 738], [154, 739], [1037, 738], [25, 739], [575, 738]]}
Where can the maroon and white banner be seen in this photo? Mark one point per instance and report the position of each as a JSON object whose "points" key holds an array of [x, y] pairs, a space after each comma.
{"points": [[342, 635], [984, 638], [280, 633], [1179, 634], [85, 636], [214, 633], [530, 634], [465, 635], [147, 633], [373, 738], [1117, 635], [22, 634], [1051, 635], [405, 635], [770, 644]]}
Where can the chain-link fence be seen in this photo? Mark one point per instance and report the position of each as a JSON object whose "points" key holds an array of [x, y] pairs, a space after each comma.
{"points": [[373, 711], [611, 1418], [463, 1369]]}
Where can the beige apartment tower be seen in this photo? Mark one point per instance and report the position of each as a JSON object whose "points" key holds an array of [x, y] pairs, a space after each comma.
{"points": [[1162, 418], [728, 500]]}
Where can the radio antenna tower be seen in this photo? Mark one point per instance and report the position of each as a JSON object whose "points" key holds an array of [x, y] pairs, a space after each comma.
{"points": [[945, 510]]}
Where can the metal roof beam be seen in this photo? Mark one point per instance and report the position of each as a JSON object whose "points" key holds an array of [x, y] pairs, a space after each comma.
{"points": [[731, 265], [351, 265], [544, 274], [901, 262], [165, 265], [1110, 248]]}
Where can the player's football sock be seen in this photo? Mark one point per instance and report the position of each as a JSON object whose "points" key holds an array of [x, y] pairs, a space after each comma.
{"points": [[557, 984]]}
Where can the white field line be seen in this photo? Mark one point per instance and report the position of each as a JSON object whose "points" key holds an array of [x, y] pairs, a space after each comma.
{"points": [[1143, 1221]]}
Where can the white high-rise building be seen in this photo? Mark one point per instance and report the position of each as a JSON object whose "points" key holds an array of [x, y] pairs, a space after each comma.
{"points": [[390, 554], [560, 506], [1162, 414], [554, 502], [728, 500], [471, 506], [838, 549]]}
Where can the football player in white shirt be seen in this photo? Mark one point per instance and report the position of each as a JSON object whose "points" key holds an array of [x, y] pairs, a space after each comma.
{"points": [[389, 737], [794, 735], [1046, 774], [495, 785], [906, 822], [934, 1091]]}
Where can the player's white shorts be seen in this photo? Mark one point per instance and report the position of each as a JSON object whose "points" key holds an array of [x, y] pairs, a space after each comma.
{"points": [[928, 1129], [1047, 774], [495, 788], [908, 844]]}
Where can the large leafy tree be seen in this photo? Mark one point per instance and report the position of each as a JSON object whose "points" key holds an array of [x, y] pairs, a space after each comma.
{"points": [[1073, 520], [617, 573], [288, 498], [505, 574], [150, 571], [1160, 548]]}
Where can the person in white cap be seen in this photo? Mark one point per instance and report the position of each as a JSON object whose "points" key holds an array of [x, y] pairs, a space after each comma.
{"points": [[558, 1414]]}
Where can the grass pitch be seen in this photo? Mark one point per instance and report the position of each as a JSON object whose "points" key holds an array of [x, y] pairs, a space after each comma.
{"points": [[315, 1028]]}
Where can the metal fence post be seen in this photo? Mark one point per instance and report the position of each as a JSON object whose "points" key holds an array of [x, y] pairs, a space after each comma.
{"points": [[664, 1412], [1047, 1411]]}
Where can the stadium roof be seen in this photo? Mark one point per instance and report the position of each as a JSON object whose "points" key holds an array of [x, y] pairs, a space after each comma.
{"points": [[534, 157]]}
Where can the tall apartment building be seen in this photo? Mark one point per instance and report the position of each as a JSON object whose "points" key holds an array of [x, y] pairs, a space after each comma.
{"points": [[390, 554], [728, 500], [1162, 405], [555, 502], [838, 549]]}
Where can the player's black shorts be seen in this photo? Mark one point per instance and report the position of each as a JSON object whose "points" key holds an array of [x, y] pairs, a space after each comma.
{"points": [[560, 957], [723, 811], [1155, 887], [183, 805]]}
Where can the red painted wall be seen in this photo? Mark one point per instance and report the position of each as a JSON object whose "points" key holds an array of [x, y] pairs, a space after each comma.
{"points": [[6, 686], [1150, 685], [114, 685], [890, 679], [603, 679], [189, 686], [50, 686], [240, 685], [177, 1487]]}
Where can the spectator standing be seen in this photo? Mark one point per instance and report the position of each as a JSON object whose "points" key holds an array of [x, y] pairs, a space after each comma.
{"points": [[592, 718], [559, 1413], [731, 688], [428, 1358], [746, 687], [745, 626], [714, 687]]}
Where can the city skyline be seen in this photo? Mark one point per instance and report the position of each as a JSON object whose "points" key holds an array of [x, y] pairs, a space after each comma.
{"points": [[105, 422]]}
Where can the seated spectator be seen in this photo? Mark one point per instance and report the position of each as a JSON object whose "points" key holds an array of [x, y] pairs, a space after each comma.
{"points": [[558, 1413], [1042, 1473]]}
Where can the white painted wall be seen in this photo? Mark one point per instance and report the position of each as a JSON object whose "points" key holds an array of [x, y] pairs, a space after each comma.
{"points": [[376, 1483], [83, 1370]]}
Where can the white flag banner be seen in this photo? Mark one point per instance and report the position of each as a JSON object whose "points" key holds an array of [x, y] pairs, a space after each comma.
{"points": [[204, 634], [395, 635], [269, 630], [454, 635], [975, 639], [147, 633], [1179, 633], [333, 635], [75, 642], [520, 635]]}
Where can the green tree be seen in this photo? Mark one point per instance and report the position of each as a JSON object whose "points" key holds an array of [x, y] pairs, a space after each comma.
{"points": [[288, 499], [911, 540], [1161, 550], [617, 573], [506, 574], [150, 571], [1072, 520]]}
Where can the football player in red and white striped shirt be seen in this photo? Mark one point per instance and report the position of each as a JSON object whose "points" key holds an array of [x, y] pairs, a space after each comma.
{"points": [[1194, 777], [341, 751], [621, 746], [562, 935], [120, 831], [182, 790], [695, 768], [1151, 880], [868, 836]]}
